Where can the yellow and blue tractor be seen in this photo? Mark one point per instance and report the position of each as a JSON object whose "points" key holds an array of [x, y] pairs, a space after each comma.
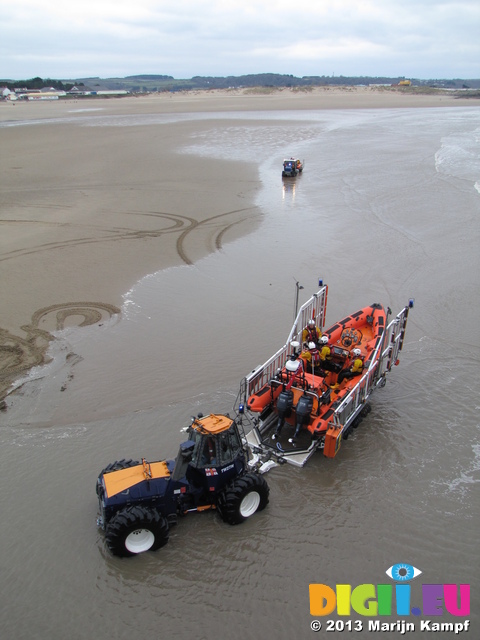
{"points": [[139, 500]]}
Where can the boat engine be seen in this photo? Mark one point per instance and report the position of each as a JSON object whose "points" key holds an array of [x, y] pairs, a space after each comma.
{"points": [[303, 410], [284, 409]]}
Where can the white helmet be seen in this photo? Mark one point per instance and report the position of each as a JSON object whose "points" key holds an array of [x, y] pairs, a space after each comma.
{"points": [[312, 345], [324, 339], [357, 352], [311, 323]]}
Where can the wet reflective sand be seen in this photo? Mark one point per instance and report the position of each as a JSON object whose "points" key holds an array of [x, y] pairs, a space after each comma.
{"points": [[386, 209]]}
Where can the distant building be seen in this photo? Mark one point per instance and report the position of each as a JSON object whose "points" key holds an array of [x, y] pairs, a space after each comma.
{"points": [[87, 91], [112, 92], [46, 93], [40, 96], [80, 91]]}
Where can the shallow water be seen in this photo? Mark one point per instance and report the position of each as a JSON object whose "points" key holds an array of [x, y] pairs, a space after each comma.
{"points": [[387, 209]]}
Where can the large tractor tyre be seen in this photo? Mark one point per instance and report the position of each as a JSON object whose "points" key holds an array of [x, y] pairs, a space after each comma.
{"points": [[244, 497], [115, 466], [135, 530]]}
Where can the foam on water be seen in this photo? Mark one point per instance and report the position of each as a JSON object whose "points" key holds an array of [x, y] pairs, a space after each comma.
{"points": [[459, 156]]}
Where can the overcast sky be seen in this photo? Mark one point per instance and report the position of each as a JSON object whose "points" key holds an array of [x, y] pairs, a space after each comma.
{"points": [[68, 39]]}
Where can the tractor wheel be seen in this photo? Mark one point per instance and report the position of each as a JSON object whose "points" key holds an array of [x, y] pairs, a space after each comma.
{"points": [[115, 466], [244, 497], [135, 530]]}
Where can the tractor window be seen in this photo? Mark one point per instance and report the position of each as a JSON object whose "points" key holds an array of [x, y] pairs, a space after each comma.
{"points": [[198, 448], [229, 446], [211, 451], [208, 457]]}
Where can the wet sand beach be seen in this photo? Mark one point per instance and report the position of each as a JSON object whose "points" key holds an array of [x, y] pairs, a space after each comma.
{"points": [[86, 210], [160, 234]]}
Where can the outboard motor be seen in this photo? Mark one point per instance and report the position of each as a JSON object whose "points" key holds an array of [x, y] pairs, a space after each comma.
{"points": [[303, 410], [284, 409]]}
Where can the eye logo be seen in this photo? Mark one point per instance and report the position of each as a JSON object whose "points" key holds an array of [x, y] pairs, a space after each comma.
{"points": [[402, 572]]}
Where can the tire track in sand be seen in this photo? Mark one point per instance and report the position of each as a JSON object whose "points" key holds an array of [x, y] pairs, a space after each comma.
{"points": [[109, 235], [18, 355], [200, 226], [183, 224]]}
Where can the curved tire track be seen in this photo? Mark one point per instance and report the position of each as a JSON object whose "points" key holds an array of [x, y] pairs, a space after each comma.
{"points": [[181, 251], [178, 222], [186, 225], [18, 355]]}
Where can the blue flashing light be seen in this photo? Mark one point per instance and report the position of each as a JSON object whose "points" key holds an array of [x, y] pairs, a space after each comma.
{"points": [[320, 283], [241, 408], [411, 302]]}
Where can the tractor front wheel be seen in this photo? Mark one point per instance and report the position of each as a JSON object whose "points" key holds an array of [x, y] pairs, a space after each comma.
{"points": [[244, 497], [136, 530]]}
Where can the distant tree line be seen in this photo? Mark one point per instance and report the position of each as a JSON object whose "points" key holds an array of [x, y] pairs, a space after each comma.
{"points": [[281, 80], [36, 83]]}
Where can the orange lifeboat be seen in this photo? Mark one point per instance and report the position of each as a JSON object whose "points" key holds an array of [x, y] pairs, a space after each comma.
{"points": [[304, 394], [314, 390]]}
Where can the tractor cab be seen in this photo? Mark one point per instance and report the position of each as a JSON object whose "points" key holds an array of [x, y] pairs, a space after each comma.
{"points": [[213, 453]]}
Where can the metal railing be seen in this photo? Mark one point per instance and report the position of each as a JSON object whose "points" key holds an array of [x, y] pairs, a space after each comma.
{"points": [[314, 308], [389, 348]]}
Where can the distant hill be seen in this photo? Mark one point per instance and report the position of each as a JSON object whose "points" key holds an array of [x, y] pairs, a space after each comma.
{"points": [[168, 83]]}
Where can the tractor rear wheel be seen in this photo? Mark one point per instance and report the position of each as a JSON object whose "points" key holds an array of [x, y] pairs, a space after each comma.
{"points": [[115, 466], [244, 497], [136, 530]]}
